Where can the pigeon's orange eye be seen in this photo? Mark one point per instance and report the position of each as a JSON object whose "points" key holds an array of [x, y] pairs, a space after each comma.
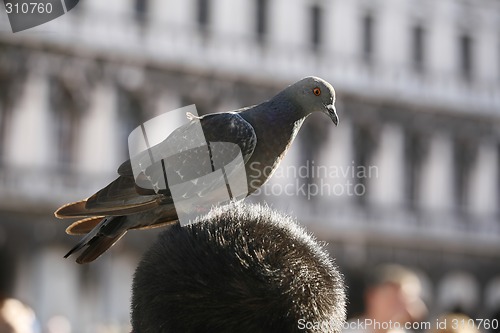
{"points": [[317, 91]]}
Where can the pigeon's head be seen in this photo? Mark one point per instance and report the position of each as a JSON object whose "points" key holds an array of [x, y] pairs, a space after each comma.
{"points": [[314, 94]]}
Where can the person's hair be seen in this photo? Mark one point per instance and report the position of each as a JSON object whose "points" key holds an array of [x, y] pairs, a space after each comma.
{"points": [[241, 268], [392, 274], [405, 280]]}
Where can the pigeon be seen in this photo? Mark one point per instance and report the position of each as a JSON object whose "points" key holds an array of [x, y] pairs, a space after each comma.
{"points": [[263, 133]]}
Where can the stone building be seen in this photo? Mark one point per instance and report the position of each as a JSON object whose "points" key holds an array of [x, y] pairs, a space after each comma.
{"points": [[410, 175]]}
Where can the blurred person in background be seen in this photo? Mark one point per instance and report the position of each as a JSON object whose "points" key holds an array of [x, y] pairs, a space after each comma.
{"points": [[15, 317], [391, 300], [495, 321]]}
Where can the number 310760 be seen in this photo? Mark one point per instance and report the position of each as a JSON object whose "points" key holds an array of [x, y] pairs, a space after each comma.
{"points": [[29, 8]]}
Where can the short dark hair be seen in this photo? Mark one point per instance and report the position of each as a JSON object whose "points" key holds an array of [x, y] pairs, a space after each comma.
{"points": [[392, 274], [241, 268]]}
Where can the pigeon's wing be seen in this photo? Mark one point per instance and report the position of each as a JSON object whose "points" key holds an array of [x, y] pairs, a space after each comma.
{"points": [[84, 226], [231, 128], [214, 128], [195, 172], [190, 152], [184, 156], [129, 194], [227, 140], [121, 192], [183, 138], [118, 198]]}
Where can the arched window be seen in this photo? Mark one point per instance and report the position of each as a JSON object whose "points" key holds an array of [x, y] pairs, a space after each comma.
{"points": [[203, 14], [415, 151], [4, 115], [131, 115], [261, 14], [418, 48], [365, 143], [66, 117], [141, 11], [466, 56], [316, 24], [367, 37]]}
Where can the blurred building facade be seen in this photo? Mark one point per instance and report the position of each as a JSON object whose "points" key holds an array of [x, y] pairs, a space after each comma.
{"points": [[411, 175]]}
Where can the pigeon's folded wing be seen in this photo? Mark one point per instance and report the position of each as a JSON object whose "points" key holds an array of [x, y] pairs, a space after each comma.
{"points": [[190, 152], [226, 140]]}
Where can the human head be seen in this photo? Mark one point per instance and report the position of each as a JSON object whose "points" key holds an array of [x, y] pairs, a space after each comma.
{"points": [[393, 294], [241, 268]]}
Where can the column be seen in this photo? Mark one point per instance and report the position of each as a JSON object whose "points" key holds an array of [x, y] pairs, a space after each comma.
{"points": [[231, 18], [29, 140], [115, 288], [343, 27], [386, 172], [486, 53], [280, 29], [437, 175], [56, 285], [172, 12], [98, 146], [337, 157], [483, 194], [442, 40], [392, 14]]}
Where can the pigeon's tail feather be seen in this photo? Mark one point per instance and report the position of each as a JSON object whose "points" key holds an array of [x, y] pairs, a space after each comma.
{"points": [[83, 226], [98, 246], [76, 248], [107, 232], [157, 224], [80, 209], [72, 209]]}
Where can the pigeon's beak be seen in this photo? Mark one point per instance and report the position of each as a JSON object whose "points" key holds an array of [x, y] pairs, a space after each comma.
{"points": [[332, 113]]}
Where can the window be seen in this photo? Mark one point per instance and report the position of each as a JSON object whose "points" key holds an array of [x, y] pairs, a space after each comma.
{"points": [[132, 115], [261, 19], [465, 153], [3, 127], [141, 10], [418, 48], [415, 151], [367, 37], [66, 118], [316, 26], [465, 42], [4, 113], [203, 15], [364, 138]]}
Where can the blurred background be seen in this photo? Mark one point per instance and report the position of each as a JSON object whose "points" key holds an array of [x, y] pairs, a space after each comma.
{"points": [[410, 175]]}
